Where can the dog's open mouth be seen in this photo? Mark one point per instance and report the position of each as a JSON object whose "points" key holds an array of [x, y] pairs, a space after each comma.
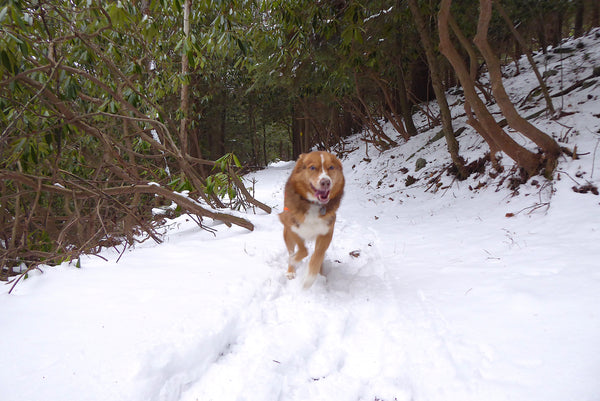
{"points": [[321, 195]]}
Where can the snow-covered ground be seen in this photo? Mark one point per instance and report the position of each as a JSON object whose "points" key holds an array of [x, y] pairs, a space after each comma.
{"points": [[457, 291]]}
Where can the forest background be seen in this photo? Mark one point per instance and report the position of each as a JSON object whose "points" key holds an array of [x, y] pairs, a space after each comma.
{"points": [[110, 109]]}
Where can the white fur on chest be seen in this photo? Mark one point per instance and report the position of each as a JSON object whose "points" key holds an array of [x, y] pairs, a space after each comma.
{"points": [[313, 225]]}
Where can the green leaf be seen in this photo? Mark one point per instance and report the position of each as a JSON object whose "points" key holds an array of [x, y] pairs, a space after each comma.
{"points": [[242, 46], [6, 61], [20, 145], [3, 13], [71, 89], [236, 160], [177, 6], [117, 14]]}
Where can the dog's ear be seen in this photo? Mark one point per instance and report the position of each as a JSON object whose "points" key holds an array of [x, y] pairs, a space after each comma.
{"points": [[338, 163], [299, 163]]}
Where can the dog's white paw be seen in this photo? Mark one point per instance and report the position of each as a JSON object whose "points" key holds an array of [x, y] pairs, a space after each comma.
{"points": [[309, 280], [290, 275]]}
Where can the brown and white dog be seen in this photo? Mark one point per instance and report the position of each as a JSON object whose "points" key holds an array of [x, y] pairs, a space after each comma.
{"points": [[312, 197]]}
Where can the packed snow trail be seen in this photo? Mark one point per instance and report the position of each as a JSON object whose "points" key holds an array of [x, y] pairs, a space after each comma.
{"points": [[384, 324]]}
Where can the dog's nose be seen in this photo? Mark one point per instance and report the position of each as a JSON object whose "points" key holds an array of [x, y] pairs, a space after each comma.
{"points": [[325, 183]]}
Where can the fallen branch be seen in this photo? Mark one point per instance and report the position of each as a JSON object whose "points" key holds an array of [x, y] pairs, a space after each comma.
{"points": [[187, 204], [577, 84], [238, 182]]}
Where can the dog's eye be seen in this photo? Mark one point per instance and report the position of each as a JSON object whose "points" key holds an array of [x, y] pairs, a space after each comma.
{"points": [[312, 168], [331, 167]]}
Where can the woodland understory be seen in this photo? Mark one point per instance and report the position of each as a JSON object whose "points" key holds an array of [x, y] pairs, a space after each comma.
{"points": [[114, 115]]}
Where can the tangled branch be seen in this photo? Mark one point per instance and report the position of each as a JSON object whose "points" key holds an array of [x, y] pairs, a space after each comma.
{"points": [[81, 218]]}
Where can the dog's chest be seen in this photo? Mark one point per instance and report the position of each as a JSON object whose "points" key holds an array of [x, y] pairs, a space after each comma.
{"points": [[313, 224]]}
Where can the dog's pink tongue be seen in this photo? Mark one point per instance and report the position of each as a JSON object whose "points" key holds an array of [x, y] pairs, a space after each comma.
{"points": [[322, 196]]}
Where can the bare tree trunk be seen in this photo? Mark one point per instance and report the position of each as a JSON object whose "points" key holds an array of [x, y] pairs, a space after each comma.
{"points": [[473, 59], [264, 145], [557, 28], [527, 160], [546, 143], [578, 24], [296, 132], [405, 104], [185, 86], [595, 13], [473, 67], [527, 49], [392, 114], [516, 56], [401, 94], [306, 129], [436, 79], [369, 119], [253, 133]]}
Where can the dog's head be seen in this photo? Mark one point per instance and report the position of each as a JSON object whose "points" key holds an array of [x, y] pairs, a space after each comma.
{"points": [[318, 177]]}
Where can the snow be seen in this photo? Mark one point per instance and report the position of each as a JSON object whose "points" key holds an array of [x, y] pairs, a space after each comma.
{"points": [[465, 291]]}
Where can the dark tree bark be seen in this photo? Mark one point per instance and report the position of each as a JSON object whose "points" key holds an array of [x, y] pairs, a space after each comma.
{"points": [[389, 109], [473, 59], [527, 49], [546, 143], [185, 86], [369, 119], [578, 24], [297, 127], [529, 161], [420, 81], [436, 79], [595, 13], [473, 68], [401, 93], [405, 106]]}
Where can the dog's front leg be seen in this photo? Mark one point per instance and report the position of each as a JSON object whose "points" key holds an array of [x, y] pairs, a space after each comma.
{"points": [[316, 261], [293, 240]]}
